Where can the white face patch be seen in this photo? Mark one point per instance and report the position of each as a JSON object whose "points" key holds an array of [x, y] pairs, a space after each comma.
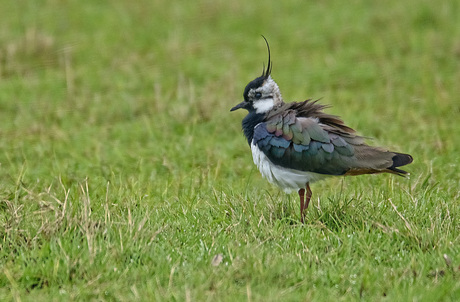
{"points": [[270, 96], [264, 105]]}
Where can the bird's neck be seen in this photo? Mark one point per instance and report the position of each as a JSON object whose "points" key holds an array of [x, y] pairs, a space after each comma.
{"points": [[249, 122]]}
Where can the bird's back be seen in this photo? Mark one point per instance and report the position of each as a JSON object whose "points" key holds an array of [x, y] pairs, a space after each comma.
{"points": [[302, 136]]}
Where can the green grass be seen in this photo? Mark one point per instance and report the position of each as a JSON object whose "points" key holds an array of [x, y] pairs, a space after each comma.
{"points": [[123, 174]]}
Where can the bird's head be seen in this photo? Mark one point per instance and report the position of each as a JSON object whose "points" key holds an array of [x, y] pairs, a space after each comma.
{"points": [[262, 93]]}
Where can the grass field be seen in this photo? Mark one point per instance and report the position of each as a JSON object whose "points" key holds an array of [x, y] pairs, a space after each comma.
{"points": [[124, 177]]}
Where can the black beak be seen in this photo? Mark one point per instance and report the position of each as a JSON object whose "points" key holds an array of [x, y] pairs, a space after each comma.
{"points": [[240, 105]]}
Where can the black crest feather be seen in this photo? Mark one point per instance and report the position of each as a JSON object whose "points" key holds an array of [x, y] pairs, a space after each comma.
{"points": [[268, 71]]}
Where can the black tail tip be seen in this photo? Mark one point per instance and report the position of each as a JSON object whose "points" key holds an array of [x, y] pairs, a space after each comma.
{"points": [[401, 159]]}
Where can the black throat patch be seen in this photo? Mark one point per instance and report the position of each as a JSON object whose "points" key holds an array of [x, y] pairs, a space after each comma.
{"points": [[250, 122]]}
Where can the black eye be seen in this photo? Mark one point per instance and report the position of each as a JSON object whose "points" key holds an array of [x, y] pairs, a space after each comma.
{"points": [[258, 95]]}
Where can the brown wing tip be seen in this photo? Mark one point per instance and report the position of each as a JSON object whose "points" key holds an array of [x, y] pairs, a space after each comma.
{"points": [[399, 159]]}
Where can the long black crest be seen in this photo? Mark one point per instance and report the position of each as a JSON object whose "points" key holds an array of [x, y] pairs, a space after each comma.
{"points": [[268, 71]]}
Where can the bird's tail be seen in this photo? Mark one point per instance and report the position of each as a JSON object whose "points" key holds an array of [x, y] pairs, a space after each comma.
{"points": [[400, 159]]}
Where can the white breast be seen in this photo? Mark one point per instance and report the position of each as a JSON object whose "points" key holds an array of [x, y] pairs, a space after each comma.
{"points": [[285, 178]]}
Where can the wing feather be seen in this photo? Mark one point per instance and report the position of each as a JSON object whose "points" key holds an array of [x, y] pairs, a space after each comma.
{"points": [[308, 144]]}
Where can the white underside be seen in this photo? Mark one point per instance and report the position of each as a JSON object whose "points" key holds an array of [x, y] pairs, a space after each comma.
{"points": [[286, 179]]}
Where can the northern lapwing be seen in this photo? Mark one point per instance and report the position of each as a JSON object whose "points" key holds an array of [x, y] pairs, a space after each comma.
{"points": [[296, 144]]}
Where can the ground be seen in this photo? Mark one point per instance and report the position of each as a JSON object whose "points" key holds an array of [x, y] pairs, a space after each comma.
{"points": [[123, 175]]}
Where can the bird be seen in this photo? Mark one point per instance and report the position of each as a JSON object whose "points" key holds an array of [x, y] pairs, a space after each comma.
{"points": [[296, 144]]}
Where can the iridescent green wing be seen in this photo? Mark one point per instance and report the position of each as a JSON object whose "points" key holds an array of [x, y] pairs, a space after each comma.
{"points": [[302, 143]]}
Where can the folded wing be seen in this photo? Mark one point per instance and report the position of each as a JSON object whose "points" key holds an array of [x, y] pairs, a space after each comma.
{"points": [[304, 143]]}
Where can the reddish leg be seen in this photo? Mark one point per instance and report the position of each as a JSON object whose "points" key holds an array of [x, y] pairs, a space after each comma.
{"points": [[304, 201], [302, 205]]}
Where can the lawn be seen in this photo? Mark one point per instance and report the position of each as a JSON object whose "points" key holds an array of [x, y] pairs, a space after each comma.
{"points": [[124, 177]]}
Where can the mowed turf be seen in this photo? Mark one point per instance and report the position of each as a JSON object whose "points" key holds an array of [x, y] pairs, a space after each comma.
{"points": [[124, 177]]}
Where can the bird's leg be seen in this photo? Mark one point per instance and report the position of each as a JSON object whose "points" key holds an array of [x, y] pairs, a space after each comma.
{"points": [[304, 201]]}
